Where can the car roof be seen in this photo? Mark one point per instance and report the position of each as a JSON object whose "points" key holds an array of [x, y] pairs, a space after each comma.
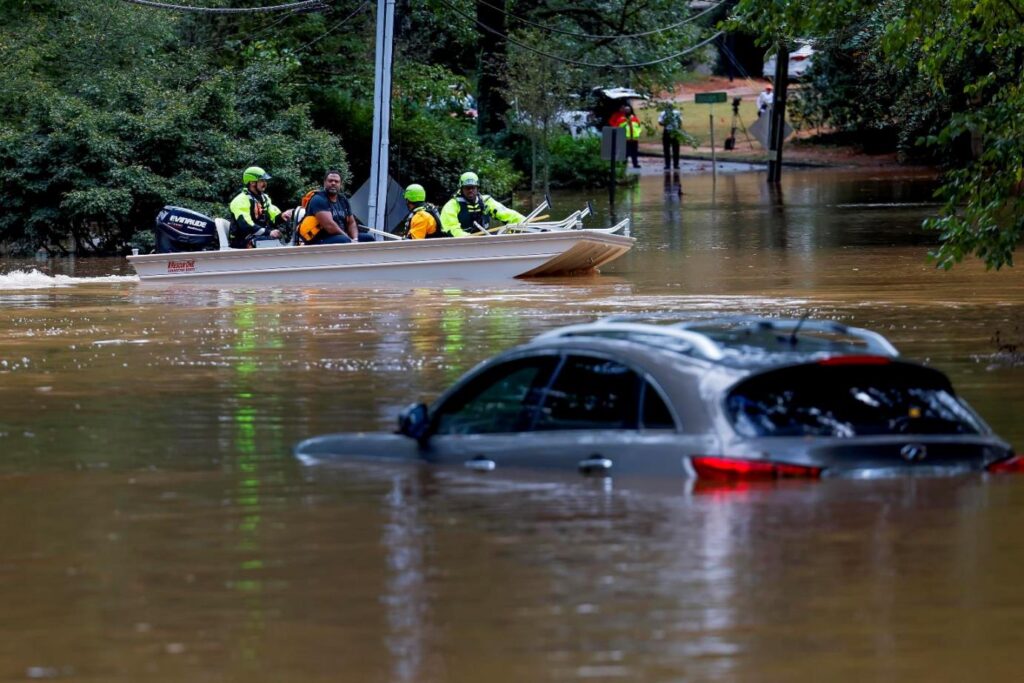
{"points": [[619, 93], [737, 342]]}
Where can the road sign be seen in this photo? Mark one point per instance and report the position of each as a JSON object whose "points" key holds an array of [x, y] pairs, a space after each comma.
{"points": [[613, 140], [762, 127], [710, 97]]}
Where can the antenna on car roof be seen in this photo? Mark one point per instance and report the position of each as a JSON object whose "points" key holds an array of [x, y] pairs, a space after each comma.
{"points": [[799, 324]]}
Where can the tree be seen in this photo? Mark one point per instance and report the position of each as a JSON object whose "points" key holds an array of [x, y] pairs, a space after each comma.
{"points": [[968, 53]]}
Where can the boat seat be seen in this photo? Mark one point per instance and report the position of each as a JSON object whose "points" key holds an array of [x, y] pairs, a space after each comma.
{"points": [[222, 231]]}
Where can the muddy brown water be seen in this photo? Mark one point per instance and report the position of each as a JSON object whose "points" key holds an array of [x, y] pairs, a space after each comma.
{"points": [[157, 528]]}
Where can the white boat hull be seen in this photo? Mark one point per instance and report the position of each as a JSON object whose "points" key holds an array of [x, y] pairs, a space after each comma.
{"points": [[496, 257]]}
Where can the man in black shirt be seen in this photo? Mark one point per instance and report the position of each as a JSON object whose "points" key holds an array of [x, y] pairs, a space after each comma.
{"points": [[329, 218]]}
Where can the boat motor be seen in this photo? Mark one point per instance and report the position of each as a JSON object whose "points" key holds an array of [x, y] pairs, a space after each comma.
{"points": [[180, 229]]}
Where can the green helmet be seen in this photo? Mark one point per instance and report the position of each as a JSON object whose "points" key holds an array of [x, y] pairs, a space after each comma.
{"points": [[415, 193], [469, 179], [254, 173]]}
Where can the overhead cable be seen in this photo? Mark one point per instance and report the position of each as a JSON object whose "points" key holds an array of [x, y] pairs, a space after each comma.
{"points": [[597, 36], [577, 62], [301, 6], [333, 28]]}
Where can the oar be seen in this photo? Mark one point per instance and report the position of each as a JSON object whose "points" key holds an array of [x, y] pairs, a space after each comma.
{"points": [[379, 232]]}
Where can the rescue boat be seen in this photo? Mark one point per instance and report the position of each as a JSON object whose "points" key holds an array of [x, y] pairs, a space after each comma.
{"points": [[526, 251]]}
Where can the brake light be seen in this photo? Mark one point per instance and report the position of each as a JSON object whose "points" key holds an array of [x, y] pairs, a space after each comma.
{"points": [[732, 469], [855, 360], [797, 58], [1014, 463]]}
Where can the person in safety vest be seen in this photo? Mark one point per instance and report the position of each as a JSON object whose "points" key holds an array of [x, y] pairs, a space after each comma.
{"points": [[423, 220], [633, 131], [329, 218], [253, 214], [469, 207]]}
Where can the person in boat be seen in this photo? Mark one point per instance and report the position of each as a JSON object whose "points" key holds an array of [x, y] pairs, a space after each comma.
{"points": [[423, 220], [253, 214], [467, 209], [329, 218]]}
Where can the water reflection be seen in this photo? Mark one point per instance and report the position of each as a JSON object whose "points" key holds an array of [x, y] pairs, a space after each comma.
{"points": [[166, 532]]}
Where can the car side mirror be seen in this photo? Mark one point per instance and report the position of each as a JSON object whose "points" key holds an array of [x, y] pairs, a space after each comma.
{"points": [[414, 421]]}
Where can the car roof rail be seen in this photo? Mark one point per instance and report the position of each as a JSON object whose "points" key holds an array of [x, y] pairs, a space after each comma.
{"points": [[686, 341], [717, 339]]}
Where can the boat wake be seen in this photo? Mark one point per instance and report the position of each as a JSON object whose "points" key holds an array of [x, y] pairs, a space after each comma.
{"points": [[34, 279]]}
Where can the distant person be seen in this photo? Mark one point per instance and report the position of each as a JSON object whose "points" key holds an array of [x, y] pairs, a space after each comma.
{"points": [[329, 218], [253, 214], [469, 208], [764, 100], [634, 129], [618, 116], [423, 220], [671, 122]]}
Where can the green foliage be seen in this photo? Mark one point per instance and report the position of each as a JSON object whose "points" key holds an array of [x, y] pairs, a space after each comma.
{"points": [[88, 156], [577, 162], [948, 71]]}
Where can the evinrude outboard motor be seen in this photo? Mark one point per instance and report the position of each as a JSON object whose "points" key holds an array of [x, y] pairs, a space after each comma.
{"points": [[180, 229]]}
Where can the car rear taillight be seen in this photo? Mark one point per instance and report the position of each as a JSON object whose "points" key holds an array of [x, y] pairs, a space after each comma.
{"points": [[733, 469], [855, 360], [797, 58], [1014, 463]]}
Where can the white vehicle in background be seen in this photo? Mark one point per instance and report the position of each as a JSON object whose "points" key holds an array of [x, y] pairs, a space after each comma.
{"points": [[800, 60]]}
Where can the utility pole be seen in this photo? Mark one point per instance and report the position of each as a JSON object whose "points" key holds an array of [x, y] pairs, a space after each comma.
{"points": [[492, 50], [377, 202], [778, 121]]}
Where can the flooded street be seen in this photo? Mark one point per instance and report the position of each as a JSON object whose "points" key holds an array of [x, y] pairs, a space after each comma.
{"points": [[158, 528]]}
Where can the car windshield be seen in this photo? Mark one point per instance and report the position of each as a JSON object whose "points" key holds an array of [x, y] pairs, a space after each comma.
{"points": [[848, 400]]}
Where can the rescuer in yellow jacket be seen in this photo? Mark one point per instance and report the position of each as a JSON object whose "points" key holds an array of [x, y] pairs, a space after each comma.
{"points": [[634, 129], [423, 220], [469, 206], [252, 211]]}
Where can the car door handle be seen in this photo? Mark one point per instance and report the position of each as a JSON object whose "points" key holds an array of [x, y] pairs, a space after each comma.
{"points": [[480, 464], [595, 464]]}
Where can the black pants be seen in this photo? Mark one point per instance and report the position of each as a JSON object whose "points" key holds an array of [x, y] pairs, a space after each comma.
{"points": [[670, 144], [633, 151]]}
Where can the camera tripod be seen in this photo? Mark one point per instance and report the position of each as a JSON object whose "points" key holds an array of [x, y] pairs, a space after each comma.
{"points": [[737, 122]]}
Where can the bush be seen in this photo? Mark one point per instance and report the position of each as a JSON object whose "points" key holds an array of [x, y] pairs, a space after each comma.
{"points": [[576, 162]]}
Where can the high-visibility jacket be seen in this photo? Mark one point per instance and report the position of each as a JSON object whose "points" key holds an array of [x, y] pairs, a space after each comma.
{"points": [[421, 223], [249, 213], [458, 214], [634, 129]]}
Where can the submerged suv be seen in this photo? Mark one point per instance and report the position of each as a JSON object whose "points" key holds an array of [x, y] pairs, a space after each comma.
{"points": [[727, 399]]}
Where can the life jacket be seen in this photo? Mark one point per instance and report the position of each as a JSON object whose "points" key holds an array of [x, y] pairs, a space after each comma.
{"points": [[633, 127], [473, 213], [259, 210], [406, 226], [309, 228]]}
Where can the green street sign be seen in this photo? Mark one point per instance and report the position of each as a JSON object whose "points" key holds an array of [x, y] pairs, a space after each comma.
{"points": [[710, 97]]}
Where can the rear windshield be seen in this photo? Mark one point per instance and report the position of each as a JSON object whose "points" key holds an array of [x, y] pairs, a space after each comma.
{"points": [[848, 400]]}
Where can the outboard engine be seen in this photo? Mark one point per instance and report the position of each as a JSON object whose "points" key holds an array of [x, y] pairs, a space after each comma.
{"points": [[180, 229]]}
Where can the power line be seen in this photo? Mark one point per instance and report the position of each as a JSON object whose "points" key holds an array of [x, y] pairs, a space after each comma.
{"points": [[301, 6], [596, 36], [333, 28], [575, 61]]}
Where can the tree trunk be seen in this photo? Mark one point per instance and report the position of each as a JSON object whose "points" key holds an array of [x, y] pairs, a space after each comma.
{"points": [[492, 50]]}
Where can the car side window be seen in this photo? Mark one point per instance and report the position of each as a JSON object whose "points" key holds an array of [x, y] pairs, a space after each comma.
{"points": [[501, 399], [591, 393], [655, 414]]}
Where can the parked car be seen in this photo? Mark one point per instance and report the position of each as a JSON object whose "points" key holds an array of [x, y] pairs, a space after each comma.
{"points": [[800, 60], [600, 103], [729, 399]]}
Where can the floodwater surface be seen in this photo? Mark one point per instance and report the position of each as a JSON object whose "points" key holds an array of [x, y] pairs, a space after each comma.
{"points": [[157, 528]]}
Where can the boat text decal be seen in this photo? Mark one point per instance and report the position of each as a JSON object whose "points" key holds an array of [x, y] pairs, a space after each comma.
{"points": [[181, 266]]}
